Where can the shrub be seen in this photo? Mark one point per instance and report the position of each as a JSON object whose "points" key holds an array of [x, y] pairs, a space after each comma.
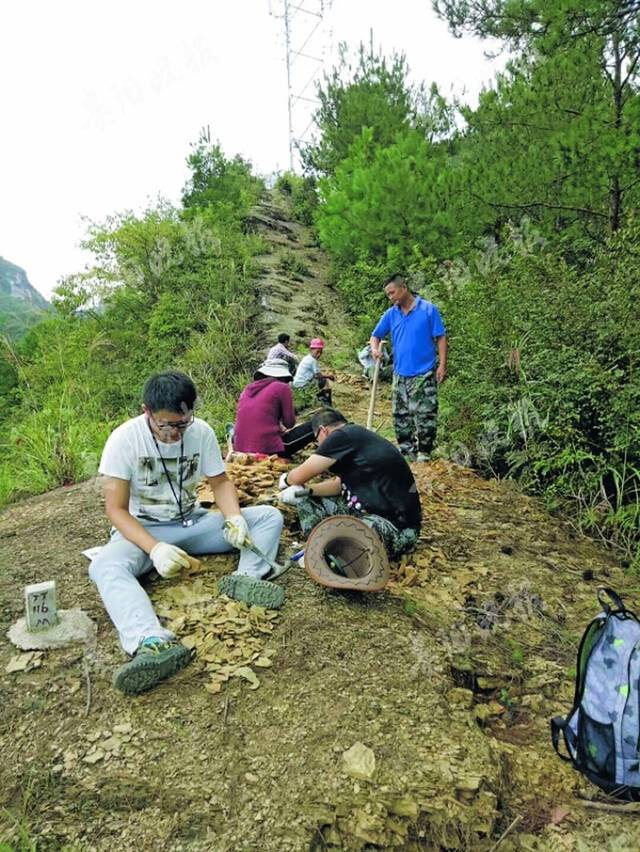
{"points": [[292, 265], [170, 288], [544, 380], [303, 193]]}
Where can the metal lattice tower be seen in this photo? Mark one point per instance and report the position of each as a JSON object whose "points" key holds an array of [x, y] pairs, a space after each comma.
{"points": [[307, 39]]}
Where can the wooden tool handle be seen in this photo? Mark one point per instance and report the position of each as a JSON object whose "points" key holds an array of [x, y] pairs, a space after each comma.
{"points": [[374, 387]]}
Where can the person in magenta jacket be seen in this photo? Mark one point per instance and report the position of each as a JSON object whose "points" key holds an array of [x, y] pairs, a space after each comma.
{"points": [[265, 416]]}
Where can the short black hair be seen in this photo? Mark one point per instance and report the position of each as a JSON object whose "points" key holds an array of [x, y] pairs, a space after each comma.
{"points": [[171, 391], [283, 338], [396, 278], [327, 417]]}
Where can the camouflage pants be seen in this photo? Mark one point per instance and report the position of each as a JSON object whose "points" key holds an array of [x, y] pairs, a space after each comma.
{"points": [[415, 412], [312, 510]]}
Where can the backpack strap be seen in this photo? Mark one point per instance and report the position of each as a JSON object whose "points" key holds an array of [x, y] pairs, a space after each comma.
{"points": [[558, 726], [589, 638], [603, 593]]}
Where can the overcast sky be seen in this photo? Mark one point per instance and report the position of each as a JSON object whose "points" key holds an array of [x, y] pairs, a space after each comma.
{"points": [[100, 100]]}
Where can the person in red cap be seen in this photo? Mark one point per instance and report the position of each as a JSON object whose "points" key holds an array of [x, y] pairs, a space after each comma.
{"points": [[308, 372]]}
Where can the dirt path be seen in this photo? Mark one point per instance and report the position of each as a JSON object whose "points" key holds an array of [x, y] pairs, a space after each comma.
{"points": [[294, 286], [449, 676]]}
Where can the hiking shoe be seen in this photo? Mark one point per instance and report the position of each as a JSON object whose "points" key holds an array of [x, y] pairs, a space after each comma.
{"points": [[423, 457], [252, 591], [154, 661]]}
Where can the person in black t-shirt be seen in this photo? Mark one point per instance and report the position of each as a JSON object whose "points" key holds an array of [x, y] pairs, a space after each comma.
{"points": [[373, 482]]}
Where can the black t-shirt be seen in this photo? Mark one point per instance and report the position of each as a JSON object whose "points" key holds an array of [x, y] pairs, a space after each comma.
{"points": [[376, 479]]}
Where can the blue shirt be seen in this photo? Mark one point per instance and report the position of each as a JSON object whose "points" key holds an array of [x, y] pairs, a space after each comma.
{"points": [[413, 336]]}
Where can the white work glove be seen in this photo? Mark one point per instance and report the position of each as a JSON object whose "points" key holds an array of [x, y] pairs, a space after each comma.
{"points": [[293, 495], [236, 531], [282, 482], [168, 560]]}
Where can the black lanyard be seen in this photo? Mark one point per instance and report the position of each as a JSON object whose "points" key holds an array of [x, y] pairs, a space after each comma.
{"points": [[186, 522]]}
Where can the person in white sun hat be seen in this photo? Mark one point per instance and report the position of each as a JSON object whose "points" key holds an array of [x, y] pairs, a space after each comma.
{"points": [[265, 417]]}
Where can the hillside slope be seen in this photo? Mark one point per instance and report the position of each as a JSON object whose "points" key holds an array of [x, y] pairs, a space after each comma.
{"points": [[294, 287], [450, 675], [20, 303]]}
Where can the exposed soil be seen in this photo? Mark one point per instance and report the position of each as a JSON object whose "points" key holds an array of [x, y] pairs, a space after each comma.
{"points": [[449, 676]]}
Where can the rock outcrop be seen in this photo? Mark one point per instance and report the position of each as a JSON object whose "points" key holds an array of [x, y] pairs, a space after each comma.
{"points": [[20, 303]]}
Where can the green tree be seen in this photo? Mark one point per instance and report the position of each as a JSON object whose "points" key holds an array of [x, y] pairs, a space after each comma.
{"points": [[369, 91], [217, 180], [387, 199], [564, 34], [540, 143]]}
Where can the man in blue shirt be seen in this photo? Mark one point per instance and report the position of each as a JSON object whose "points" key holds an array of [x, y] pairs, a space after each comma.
{"points": [[419, 343]]}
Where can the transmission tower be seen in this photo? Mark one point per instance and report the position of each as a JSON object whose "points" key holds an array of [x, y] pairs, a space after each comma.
{"points": [[307, 40]]}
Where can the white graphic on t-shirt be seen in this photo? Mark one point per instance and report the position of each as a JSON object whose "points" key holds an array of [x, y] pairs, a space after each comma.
{"points": [[156, 498]]}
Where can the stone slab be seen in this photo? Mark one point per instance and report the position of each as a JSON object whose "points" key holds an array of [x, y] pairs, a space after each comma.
{"points": [[74, 625]]}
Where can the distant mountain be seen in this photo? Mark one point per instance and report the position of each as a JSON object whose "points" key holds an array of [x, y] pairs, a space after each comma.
{"points": [[21, 306]]}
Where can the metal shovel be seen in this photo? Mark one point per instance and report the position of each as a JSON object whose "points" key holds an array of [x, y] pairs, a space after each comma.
{"points": [[276, 568]]}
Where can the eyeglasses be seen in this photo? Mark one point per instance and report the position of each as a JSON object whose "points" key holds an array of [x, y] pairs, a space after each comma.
{"points": [[178, 426]]}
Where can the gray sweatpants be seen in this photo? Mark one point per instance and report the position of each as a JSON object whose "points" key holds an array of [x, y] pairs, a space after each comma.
{"points": [[116, 568]]}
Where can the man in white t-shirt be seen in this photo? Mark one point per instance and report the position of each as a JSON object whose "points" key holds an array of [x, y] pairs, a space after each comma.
{"points": [[151, 466]]}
